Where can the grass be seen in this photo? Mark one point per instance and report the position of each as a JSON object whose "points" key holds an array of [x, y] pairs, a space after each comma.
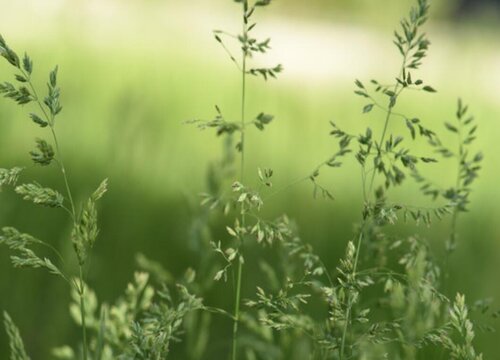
{"points": [[161, 168]]}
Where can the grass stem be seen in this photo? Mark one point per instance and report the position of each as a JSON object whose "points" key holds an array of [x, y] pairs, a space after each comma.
{"points": [[81, 293], [242, 177]]}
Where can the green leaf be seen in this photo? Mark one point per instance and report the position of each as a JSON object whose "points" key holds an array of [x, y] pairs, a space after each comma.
{"points": [[451, 127], [429, 89], [63, 353], [410, 126], [231, 231], [265, 118], [38, 120], [361, 93], [368, 108], [21, 78], [263, 2], [262, 120]]}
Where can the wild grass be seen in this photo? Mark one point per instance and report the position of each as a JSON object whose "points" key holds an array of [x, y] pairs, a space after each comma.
{"points": [[385, 298], [415, 317]]}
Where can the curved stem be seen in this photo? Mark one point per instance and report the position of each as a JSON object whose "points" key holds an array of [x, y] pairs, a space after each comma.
{"points": [[63, 171], [297, 181], [218, 311], [80, 287], [50, 121]]}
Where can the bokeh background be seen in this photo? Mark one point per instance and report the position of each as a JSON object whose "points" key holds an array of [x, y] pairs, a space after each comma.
{"points": [[132, 71]]}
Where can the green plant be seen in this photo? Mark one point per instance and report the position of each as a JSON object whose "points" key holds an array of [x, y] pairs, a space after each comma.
{"points": [[247, 200], [385, 299], [143, 323], [85, 231], [400, 273]]}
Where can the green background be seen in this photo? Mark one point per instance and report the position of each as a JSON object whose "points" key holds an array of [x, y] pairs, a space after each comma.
{"points": [[132, 71]]}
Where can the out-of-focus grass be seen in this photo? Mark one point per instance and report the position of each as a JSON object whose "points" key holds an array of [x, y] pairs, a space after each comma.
{"points": [[130, 78]]}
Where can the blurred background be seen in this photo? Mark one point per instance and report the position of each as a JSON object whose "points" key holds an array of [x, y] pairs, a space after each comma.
{"points": [[132, 71]]}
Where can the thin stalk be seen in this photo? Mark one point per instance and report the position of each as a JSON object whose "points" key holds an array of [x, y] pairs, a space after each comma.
{"points": [[387, 119], [360, 238], [72, 211], [237, 310], [242, 177], [457, 186], [349, 305], [50, 121], [63, 171], [81, 293], [454, 220], [74, 217], [382, 137], [297, 181]]}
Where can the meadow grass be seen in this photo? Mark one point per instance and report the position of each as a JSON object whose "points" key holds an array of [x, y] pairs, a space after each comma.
{"points": [[275, 136]]}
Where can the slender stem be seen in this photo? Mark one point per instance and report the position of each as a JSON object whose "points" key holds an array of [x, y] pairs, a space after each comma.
{"points": [[242, 177], [380, 144], [74, 217], [50, 121], [215, 310], [297, 181], [457, 187], [82, 313], [387, 119], [349, 304], [63, 171], [237, 310], [285, 187], [37, 99], [243, 103], [80, 287], [454, 220], [360, 238]]}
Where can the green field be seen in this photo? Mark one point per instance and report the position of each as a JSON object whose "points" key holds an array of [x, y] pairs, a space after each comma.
{"points": [[131, 75]]}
